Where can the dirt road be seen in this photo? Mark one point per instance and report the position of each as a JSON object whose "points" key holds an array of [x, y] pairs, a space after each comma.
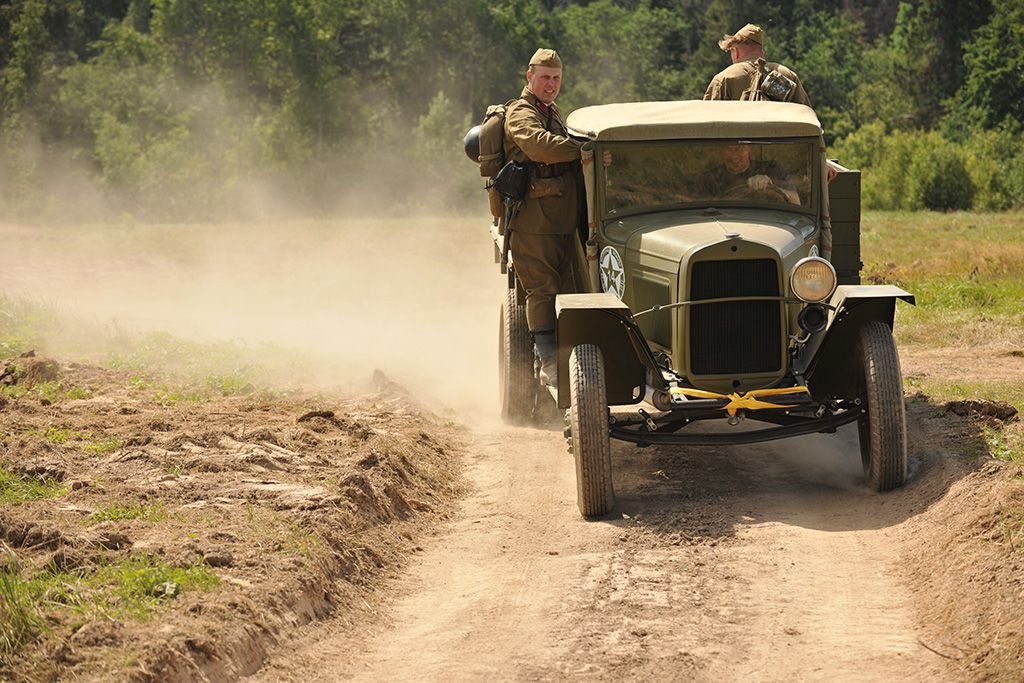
{"points": [[769, 562]]}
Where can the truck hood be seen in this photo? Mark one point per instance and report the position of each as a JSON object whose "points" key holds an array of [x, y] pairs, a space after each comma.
{"points": [[675, 234]]}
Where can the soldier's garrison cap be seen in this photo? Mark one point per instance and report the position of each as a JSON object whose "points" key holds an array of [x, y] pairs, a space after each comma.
{"points": [[546, 57], [751, 33]]}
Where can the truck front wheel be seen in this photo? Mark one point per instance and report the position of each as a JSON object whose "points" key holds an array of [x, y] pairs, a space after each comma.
{"points": [[883, 426], [588, 431]]}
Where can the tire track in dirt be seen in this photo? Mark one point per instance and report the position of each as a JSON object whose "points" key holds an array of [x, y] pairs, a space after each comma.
{"points": [[773, 563], [761, 563]]}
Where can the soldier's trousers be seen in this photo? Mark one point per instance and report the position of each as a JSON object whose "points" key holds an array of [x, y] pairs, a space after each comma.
{"points": [[545, 267]]}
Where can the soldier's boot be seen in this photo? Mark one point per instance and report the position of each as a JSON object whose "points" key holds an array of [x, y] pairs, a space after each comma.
{"points": [[544, 347]]}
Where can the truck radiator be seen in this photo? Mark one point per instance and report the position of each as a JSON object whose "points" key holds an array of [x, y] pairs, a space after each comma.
{"points": [[737, 337]]}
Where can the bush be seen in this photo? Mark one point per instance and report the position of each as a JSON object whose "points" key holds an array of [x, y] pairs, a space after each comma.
{"points": [[886, 181], [938, 178], [908, 170], [995, 162], [864, 148]]}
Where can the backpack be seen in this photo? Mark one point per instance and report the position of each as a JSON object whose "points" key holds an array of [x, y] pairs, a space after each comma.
{"points": [[491, 155], [492, 140]]}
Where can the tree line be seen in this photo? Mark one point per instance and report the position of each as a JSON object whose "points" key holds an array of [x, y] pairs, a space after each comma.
{"points": [[184, 109]]}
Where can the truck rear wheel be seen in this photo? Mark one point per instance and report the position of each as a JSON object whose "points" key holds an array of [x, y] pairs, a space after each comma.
{"points": [[516, 382], [883, 427], [588, 431]]}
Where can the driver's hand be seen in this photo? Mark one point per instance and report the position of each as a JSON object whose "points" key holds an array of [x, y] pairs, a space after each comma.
{"points": [[758, 182]]}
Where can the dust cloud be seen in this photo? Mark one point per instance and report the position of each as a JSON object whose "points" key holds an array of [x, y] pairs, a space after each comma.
{"points": [[416, 297], [395, 273], [831, 460]]}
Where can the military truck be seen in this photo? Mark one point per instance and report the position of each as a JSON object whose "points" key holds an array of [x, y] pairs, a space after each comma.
{"points": [[712, 293]]}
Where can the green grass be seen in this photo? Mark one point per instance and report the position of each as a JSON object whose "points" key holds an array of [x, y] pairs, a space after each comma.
{"points": [[87, 441], [998, 447], [19, 488], [281, 534], [53, 392], [23, 325], [942, 390], [174, 369], [20, 619], [200, 371], [131, 588], [102, 446], [140, 511], [967, 272], [36, 325], [964, 268], [134, 588], [1006, 443]]}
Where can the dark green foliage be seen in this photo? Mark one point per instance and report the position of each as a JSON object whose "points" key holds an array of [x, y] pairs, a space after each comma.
{"points": [[938, 178], [995, 160], [831, 66], [992, 91], [187, 108], [615, 54], [922, 170]]}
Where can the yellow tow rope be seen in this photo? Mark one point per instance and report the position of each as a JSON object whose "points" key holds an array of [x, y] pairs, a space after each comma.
{"points": [[748, 400]]}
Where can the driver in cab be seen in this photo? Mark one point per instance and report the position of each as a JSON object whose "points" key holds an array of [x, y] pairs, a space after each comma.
{"points": [[737, 178]]}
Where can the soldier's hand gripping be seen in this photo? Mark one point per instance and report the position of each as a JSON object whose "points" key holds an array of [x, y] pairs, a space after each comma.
{"points": [[758, 182]]}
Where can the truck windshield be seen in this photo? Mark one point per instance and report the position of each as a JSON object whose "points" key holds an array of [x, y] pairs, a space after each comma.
{"points": [[659, 175]]}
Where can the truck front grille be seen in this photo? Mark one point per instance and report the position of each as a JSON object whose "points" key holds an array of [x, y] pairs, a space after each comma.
{"points": [[739, 337]]}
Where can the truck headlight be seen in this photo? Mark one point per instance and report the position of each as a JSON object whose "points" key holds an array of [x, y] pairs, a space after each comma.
{"points": [[812, 279]]}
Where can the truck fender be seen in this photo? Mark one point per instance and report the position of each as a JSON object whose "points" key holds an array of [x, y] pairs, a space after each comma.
{"points": [[603, 320], [831, 369]]}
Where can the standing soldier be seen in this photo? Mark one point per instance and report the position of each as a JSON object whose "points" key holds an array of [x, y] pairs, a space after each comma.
{"points": [[749, 71], [545, 226]]}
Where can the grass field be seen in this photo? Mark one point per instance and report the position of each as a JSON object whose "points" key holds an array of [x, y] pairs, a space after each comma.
{"points": [[967, 273], [966, 270]]}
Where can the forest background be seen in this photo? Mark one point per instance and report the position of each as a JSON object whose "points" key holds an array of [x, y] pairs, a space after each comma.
{"points": [[185, 110]]}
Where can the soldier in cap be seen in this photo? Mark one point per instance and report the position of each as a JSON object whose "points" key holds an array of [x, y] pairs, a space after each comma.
{"points": [[749, 69], [544, 229]]}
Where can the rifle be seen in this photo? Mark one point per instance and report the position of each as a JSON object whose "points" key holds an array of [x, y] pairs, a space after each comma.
{"points": [[511, 209]]}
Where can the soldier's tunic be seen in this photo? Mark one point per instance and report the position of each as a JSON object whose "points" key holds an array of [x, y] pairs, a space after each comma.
{"points": [[543, 231], [734, 82]]}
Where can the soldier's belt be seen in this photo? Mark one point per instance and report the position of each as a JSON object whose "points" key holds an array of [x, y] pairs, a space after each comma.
{"points": [[552, 170]]}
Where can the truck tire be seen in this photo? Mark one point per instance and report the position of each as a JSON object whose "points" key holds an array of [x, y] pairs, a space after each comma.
{"points": [[588, 431], [516, 382], [883, 427]]}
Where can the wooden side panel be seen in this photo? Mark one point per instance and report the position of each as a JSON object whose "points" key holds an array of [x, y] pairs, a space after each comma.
{"points": [[844, 203]]}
